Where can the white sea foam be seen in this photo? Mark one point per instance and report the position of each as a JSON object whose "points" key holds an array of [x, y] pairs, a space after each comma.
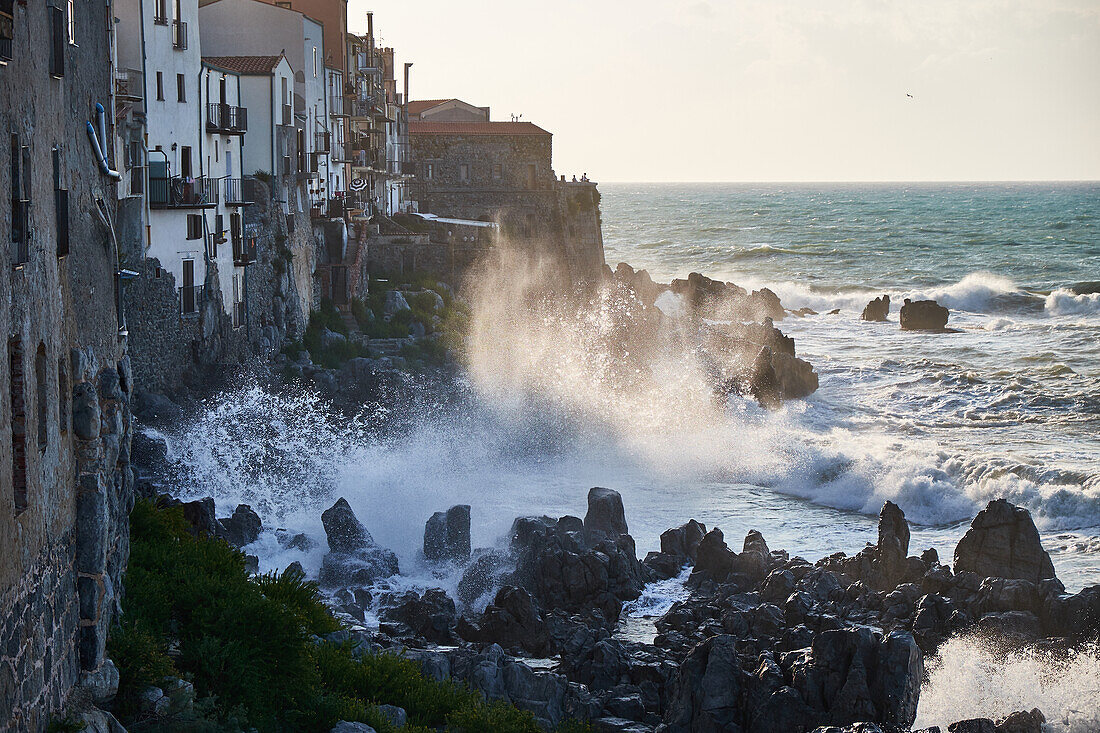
{"points": [[998, 681], [1063, 302]]}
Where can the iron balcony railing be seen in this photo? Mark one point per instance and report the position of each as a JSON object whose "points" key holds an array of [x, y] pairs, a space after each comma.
{"points": [[190, 299], [322, 142], [226, 118], [176, 192], [129, 83], [244, 250], [240, 191], [7, 32], [336, 106], [179, 34]]}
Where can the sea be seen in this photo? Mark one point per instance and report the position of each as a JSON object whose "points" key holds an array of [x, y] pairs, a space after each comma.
{"points": [[1007, 405]]}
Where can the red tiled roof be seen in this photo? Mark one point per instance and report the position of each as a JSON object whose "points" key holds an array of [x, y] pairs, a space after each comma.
{"points": [[417, 106], [475, 128], [248, 65]]}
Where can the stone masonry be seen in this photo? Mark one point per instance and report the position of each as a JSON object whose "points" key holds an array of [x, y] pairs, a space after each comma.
{"points": [[65, 481]]}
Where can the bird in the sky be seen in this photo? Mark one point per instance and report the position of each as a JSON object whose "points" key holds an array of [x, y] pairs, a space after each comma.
{"points": [[909, 95]]}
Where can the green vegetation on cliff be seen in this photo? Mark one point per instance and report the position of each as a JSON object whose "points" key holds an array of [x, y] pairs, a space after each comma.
{"points": [[251, 647]]}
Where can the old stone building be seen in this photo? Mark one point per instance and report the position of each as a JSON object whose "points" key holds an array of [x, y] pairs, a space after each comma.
{"points": [[503, 172], [65, 481]]}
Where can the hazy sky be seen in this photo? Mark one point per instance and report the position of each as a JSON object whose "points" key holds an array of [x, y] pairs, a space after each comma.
{"points": [[773, 90]]}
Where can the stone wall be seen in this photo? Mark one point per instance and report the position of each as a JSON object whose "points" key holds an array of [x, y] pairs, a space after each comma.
{"points": [[546, 216], [65, 482]]}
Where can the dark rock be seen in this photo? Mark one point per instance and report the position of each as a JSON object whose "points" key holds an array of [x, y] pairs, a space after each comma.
{"points": [[606, 518], [1003, 542], [683, 541], [345, 532], [151, 408], [363, 567], [974, 725], [713, 559], [86, 417], [1022, 722], [482, 575], [431, 616], [243, 528], [513, 621], [202, 517], [893, 542], [923, 315], [1076, 616], [447, 535], [877, 309], [707, 692]]}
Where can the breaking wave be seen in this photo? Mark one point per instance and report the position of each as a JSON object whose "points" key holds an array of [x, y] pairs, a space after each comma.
{"points": [[1065, 686]]}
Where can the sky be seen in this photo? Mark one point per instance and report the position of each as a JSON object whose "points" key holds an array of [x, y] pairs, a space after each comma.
{"points": [[772, 90]]}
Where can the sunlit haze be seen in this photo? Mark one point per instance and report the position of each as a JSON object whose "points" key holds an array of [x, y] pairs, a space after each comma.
{"points": [[773, 90]]}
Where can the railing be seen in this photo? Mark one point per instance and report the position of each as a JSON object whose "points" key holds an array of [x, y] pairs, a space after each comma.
{"points": [[129, 83], [179, 34], [7, 32], [190, 297], [360, 109], [336, 105], [5, 49], [160, 18], [244, 250], [322, 142], [240, 191], [226, 118], [182, 193], [288, 116]]}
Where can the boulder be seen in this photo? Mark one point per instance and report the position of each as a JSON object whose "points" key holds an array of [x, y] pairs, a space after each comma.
{"points": [[430, 616], [606, 518], [481, 575], [362, 567], [1002, 542], [345, 532], [202, 517], [447, 535], [893, 544], [713, 558], [877, 309], [683, 541], [394, 303], [332, 339], [707, 691], [243, 528], [923, 315], [513, 621], [1022, 722]]}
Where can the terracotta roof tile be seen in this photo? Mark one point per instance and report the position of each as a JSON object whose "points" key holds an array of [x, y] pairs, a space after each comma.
{"points": [[417, 106], [248, 65], [475, 128]]}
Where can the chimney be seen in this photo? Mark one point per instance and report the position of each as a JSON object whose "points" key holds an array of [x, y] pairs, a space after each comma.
{"points": [[370, 37], [408, 65]]}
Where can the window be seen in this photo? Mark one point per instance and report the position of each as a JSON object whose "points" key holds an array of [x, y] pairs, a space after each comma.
{"points": [[61, 205], [498, 171], [160, 86], [429, 171], [64, 398], [464, 172], [41, 397], [160, 12], [20, 201], [185, 161], [238, 301], [70, 12], [136, 163], [18, 424], [314, 62], [7, 19], [194, 226], [57, 41], [181, 87], [189, 302]]}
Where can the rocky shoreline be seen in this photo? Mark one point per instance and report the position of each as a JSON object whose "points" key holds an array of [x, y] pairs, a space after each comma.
{"points": [[762, 641]]}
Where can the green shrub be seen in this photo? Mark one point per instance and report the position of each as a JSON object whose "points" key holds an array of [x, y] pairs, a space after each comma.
{"points": [[248, 646]]}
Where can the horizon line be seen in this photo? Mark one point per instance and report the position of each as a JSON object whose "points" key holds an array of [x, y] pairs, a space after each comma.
{"points": [[855, 181]]}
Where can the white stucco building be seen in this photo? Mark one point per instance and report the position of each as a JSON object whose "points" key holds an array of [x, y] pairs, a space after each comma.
{"points": [[255, 28]]}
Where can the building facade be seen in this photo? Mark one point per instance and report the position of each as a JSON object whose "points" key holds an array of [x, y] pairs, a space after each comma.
{"points": [[65, 481]]}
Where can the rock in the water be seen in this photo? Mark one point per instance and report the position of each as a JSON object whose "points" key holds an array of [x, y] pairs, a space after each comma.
{"points": [[513, 621], [447, 535], [431, 616], [362, 567], [877, 309], [893, 542], [683, 541], [923, 315], [243, 528], [1022, 722], [345, 532], [201, 515], [713, 558], [1002, 542], [606, 517]]}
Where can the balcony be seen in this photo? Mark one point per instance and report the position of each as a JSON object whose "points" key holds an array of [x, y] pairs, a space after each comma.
{"points": [[336, 106], [176, 192], [244, 250], [7, 32], [360, 110], [179, 35], [226, 119], [190, 299], [240, 191], [129, 84], [288, 116], [322, 142]]}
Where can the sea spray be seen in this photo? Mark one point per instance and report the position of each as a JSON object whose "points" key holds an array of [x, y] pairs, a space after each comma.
{"points": [[974, 676]]}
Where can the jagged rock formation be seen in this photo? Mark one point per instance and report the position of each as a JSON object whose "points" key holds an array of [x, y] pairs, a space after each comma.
{"points": [[877, 309], [923, 315], [1002, 542]]}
